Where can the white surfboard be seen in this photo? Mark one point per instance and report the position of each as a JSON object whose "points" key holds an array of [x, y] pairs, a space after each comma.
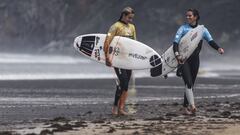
{"points": [[124, 52], [187, 45]]}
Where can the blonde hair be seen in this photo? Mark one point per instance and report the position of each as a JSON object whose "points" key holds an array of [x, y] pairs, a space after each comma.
{"points": [[126, 11]]}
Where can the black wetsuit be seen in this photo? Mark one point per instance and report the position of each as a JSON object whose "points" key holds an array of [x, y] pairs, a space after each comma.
{"points": [[124, 76], [189, 70]]}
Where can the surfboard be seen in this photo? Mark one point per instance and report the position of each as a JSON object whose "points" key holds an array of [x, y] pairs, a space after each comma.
{"points": [[124, 52], [187, 45]]}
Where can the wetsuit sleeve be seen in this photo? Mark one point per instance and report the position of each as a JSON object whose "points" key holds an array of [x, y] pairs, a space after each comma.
{"points": [[207, 36], [110, 35], [214, 45], [177, 39]]}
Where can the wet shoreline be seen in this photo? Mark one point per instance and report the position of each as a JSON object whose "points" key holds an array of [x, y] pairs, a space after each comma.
{"points": [[83, 106]]}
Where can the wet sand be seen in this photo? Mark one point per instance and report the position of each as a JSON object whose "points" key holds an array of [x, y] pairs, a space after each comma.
{"points": [[55, 107]]}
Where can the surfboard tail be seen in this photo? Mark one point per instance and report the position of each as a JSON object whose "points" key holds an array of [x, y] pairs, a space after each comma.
{"points": [[156, 71]]}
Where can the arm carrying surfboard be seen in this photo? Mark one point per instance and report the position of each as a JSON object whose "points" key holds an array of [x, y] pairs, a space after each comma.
{"points": [[187, 45]]}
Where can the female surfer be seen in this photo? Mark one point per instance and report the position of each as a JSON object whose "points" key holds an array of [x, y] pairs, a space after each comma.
{"points": [[123, 27], [189, 69]]}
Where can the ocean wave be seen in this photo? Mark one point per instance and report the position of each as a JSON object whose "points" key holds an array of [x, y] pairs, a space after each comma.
{"points": [[14, 102], [8, 58], [85, 75], [54, 76]]}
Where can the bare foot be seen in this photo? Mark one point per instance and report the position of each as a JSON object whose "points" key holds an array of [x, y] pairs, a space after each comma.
{"points": [[193, 109], [186, 111], [114, 110], [122, 112]]}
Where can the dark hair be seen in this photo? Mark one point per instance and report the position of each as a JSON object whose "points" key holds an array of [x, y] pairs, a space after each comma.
{"points": [[195, 12], [126, 11]]}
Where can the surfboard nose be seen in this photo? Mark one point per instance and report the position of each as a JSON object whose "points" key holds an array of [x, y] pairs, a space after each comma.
{"points": [[77, 42]]}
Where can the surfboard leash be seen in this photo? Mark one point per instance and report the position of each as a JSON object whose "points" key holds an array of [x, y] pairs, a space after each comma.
{"points": [[111, 59]]}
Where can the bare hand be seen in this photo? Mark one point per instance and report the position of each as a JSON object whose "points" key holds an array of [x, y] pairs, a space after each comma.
{"points": [[180, 59], [108, 63], [221, 51]]}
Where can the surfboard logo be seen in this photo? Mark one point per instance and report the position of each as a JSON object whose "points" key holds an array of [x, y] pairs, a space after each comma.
{"points": [[155, 60], [168, 59], [137, 56], [185, 49], [97, 54], [97, 40], [87, 45], [116, 51], [194, 36]]}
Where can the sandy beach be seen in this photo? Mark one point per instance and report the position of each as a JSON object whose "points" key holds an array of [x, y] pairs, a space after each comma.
{"points": [[83, 106]]}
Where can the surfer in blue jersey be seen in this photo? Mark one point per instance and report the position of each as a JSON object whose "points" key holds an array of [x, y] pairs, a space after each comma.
{"points": [[123, 27], [188, 70]]}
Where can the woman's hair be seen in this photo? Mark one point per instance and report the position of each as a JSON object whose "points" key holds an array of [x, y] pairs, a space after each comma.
{"points": [[195, 12], [126, 11]]}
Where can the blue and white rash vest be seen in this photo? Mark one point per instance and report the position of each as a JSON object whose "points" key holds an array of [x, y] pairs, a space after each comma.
{"points": [[185, 28]]}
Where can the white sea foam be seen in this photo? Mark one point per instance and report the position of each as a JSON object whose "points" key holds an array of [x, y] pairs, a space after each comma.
{"points": [[8, 58], [81, 74], [33, 67], [18, 102], [55, 76]]}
